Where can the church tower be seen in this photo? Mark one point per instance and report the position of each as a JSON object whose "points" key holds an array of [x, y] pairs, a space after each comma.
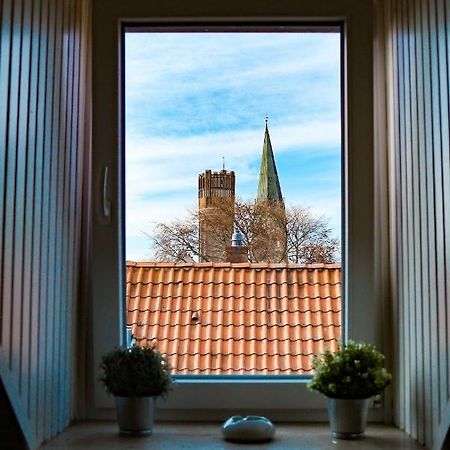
{"points": [[216, 198], [269, 189], [270, 226]]}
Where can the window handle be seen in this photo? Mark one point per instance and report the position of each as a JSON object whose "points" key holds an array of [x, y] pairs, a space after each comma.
{"points": [[106, 204]]}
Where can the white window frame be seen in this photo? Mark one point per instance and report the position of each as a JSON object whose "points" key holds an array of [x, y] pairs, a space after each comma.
{"points": [[286, 399]]}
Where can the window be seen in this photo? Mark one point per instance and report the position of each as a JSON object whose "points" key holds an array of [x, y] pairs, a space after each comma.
{"points": [[108, 143], [191, 97]]}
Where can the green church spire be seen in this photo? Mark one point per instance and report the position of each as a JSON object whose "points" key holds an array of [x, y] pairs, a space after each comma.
{"points": [[269, 188]]}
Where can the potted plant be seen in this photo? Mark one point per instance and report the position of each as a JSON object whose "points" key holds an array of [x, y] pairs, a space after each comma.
{"points": [[136, 376], [349, 377]]}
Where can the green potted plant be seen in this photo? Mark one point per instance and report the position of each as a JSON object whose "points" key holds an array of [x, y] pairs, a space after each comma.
{"points": [[136, 376], [349, 377]]}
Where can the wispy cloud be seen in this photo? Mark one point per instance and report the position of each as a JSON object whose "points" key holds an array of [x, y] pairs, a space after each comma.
{"points": [[230, 60], [235, 143], [190, 83], [193, 98]]}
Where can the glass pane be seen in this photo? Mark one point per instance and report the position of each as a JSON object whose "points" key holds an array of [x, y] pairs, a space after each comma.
{"points": [[233, 198]]}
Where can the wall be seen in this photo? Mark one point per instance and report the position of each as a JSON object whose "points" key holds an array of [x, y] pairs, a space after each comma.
{"points": [[42, 96], [418, 99]]}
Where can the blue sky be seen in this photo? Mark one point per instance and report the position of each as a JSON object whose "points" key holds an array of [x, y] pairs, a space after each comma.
{"points": [[192, 98]]}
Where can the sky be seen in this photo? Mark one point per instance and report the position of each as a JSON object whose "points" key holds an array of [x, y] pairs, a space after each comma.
{"points": [[193, 98]]}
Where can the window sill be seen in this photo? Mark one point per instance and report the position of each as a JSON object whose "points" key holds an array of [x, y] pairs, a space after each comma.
{"points": [[205, 435]]}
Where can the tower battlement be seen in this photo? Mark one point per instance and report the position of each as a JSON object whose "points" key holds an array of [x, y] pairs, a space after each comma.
{"points": [[216, 197], [214, 185]]}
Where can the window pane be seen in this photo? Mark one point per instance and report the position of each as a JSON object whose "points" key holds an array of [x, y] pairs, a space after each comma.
{"points": [[233, 199]]}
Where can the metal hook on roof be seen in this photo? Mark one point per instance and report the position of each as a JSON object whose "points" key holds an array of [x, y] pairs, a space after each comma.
{"points": [[195, 317]]}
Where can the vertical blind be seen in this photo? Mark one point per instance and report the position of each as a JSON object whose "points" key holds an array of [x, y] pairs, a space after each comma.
{"points": [[418, 45], [42, 77]]}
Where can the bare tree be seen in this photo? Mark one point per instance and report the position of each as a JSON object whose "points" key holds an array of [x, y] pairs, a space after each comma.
{"points": [[272, 233], [177, 240], [309, 238]]}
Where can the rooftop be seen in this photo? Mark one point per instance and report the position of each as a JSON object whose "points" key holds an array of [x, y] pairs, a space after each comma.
{"points": [[228, 318]]}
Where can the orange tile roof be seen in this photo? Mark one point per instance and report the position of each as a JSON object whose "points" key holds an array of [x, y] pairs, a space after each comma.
{"points": [[228, 318]]}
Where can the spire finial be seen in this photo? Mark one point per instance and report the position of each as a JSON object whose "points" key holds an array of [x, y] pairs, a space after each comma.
{"points": [[223, 162], [266, 119]]}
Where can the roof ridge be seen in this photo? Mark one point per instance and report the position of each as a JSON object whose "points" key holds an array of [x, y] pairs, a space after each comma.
{"points": [[249, 265]]}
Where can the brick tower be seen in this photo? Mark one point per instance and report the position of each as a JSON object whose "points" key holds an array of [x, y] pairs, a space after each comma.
{"points": [[216, 197]]}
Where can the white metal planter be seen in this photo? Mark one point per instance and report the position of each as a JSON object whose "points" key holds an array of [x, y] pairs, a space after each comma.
{"points": [[135, 415], [348, 417]]}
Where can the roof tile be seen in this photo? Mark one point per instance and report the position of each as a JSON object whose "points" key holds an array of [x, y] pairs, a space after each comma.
{"points": [[223, 318]]}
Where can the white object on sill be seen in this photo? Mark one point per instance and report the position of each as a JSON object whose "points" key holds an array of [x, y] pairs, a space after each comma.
{"points": [[248, 429]]}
